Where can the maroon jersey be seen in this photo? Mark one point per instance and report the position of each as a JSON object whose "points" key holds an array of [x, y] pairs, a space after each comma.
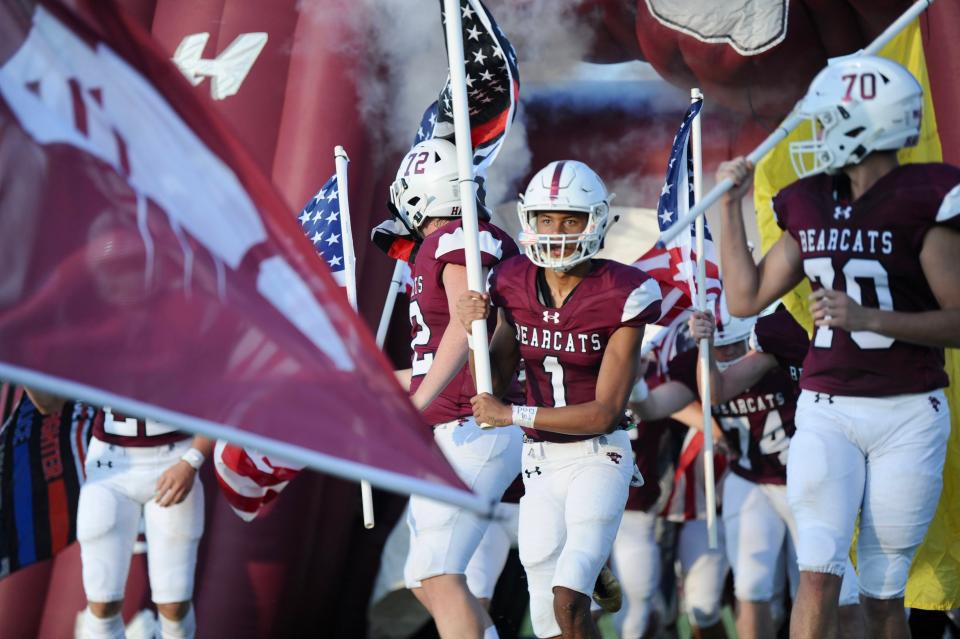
{"points": [[779, 335], [758, 423], [121, 430], [870, 249], [430, 312], [562, 348]]}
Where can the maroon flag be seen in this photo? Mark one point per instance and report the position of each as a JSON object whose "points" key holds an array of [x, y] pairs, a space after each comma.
{"points": [[147, 264]]}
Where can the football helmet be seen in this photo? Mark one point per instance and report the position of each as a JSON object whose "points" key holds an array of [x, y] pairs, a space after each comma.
{"points": [[734, 329], [565, 185], [427, 183], [857, 105]]}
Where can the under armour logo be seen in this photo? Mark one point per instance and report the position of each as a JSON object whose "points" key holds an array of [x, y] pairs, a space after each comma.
{"points": [[828, 398], [551, 317], [108, 464], [531, 473], [842, 212], [935, 403], [615, 457], [228, 70]]}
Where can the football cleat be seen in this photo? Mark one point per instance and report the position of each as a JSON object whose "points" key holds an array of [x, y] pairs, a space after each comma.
{"points": [[607, 592]]}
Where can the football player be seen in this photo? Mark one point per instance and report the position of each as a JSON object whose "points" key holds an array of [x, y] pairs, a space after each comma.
{"points": [[426, 196], [878, 242], [635, 557], [137, 469], [754, 394], [577, 323]]}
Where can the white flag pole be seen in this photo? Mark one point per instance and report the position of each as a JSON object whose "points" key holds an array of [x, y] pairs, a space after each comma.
{"points": [[709, 480], [350, 279], [390, 302], [468, 186], [787, 126]]}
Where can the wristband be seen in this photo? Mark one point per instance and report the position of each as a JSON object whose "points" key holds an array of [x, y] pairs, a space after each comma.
{"points": [[640, 392], [524, 416], [193, 457]]}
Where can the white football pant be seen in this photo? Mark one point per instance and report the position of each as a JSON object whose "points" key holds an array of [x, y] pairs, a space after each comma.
{"points": [[490, 557], [759, 527], [569, 515], [636, 563], [881, 457], [703, 572], [443, 537], [119, 490]]}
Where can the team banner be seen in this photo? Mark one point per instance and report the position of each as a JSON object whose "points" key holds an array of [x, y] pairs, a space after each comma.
{"points": [[41, 471], [146, 263]]}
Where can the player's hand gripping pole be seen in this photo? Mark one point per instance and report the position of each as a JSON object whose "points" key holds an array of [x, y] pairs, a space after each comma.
{"points": [[786, 127], [710, 485], [468, 187], [350, 279]]}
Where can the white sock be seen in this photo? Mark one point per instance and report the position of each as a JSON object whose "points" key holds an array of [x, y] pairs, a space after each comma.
{"points": [[95, 627], [491, 632], [186, 628]]}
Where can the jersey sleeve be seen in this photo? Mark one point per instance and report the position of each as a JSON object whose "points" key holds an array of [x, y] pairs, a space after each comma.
{"points": [[949, 212], [683, 369], [779, 335], [451, 246], [505, 277], [642, 304]]}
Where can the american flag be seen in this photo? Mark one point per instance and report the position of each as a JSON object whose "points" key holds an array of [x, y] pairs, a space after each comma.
{"points": [[493, 86], [320, 221], [493, 89], [675, 266]]}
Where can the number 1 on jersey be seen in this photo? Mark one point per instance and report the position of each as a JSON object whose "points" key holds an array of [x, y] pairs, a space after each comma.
{"points": [[553, 368]]}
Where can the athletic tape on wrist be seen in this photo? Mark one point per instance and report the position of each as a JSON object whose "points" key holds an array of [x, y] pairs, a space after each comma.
{"points": [[193, 457], [524, 415]]}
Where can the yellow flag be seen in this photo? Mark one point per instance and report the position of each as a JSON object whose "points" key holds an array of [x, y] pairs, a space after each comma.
{"points": [[934, 582]]}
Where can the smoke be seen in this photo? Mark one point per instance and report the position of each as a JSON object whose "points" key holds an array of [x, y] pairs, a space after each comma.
{"points": [[401, 49], [400, 46]]}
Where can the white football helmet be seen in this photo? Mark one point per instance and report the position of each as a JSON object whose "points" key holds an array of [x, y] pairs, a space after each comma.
{"points": [[565, 185], [857, 105], [734, 329], [427, 183]]}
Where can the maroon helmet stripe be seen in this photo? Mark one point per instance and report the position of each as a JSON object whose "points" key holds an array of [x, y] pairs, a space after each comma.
{"points": [[555, 182]]}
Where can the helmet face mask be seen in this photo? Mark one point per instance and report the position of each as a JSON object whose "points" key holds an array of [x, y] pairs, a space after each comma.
{"points": [[427, 184], [565, 186], [856, 106]]}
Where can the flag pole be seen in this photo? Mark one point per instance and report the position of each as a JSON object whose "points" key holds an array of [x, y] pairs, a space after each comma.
{"points": [[389, 303], [468, 186], [350, 279], [787, 126], [710, 485]]}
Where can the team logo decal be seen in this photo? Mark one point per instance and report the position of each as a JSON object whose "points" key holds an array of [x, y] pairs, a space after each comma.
{"points": [[228, 70], [615, 457], [551, 317], [935, 403]]}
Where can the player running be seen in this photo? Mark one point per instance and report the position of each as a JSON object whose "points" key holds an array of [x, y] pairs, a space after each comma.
{"points": [[577, 323], [878, 242], [444, 537]]}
